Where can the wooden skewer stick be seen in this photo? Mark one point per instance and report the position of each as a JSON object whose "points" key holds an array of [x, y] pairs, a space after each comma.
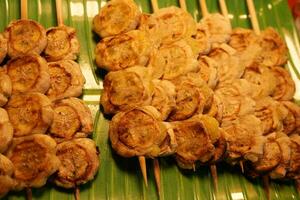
{"points": [[242, 166], [154, 5], [214, 174], [157, 175], [142, 161], [77, 193], [266, 185], [183, 4], [28, 194], [24, 11], [297, 183], [253, 16], [204, 9], [59, 17], [224, 9]]}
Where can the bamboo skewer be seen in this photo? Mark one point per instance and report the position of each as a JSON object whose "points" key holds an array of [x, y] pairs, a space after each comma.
{"points": [[242, 166], [59, 17], [154, 5], [77, 193], [224, 10], [182, 4], [24, 10], [28, 193], [204, 9], [214, 174], [157, 175], [266, 185], [253, 16], [142, 161]]}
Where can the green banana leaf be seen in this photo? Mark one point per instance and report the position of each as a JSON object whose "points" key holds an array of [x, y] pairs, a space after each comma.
{"points": [[120, 178]]}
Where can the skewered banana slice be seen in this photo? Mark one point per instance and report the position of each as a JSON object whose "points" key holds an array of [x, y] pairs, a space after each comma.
{"points": [[202, 39], [126, 89], [274, 49], [262, 80], [29, 113], [123, 51], [6, 131], [3, 47], [285, 86], [117, 16], [271, 114], [34, 160], [62, 44], [291, 123], [163, 98], [219, 28], [141, 132], [216, 108], [172, 60], [79, 162], [294, 168], [5, 88], [72, 118], [196, 138], [25, 37], [170, 24], [6, 172], [193, 96], [28, 73], [66, 80], [244, 138], [208, 71]]}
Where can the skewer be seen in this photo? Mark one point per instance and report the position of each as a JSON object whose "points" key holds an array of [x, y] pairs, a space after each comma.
{"points": [[142, 161], [266, 185], [154, 5], [157, 175], [253, 16], [24, 11], [183, 4], [59, 17], [297, 183], [28, 193], [204, 9], [224, 9], [214, 174], [77, 193], [242, 166]]}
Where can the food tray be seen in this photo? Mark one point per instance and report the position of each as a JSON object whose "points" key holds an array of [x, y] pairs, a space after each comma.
{"points": [[120, 178]]}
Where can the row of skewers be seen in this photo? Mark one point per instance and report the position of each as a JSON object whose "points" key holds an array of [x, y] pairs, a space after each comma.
{"points": [[201, 92], [44, 127]]}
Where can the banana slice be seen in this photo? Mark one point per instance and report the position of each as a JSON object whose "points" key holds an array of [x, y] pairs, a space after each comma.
{"points": [[271, 114], [291, 123], [5, 89], [34, 160], [29, 113], [126, 89], [6, 131], [123, 51], [216, 108], [163, 98], [294, 166], [72, 118], [3, 47], [262, 80], [62, 44], [274, 49], [116, 17], [79, 160], [172, 60], [208, 71], [219, 28], [28, 74], [193, 96], [202, 38], [25, 37], [141, 132], [195, 138], [6, 172], [170, 24], [285, 86], [243, 136], [66, 80]]}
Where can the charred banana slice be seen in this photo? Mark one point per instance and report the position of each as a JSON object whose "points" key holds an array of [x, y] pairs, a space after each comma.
{"points": [[116, 17], [126, 89], [208, 71], [5, 88], [25, 37], [141, 132], [173, 60], [66, 80], [72, 118], [193, 96], [291, 123], [123, 51], [169, 24], [79, 160], [285, 86], [163, 98], [28, 74], [6, 172], [29, 113], [6, 131], [294, 166], [3, 47], [62, 44], [219, 28], [34, 160]]}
